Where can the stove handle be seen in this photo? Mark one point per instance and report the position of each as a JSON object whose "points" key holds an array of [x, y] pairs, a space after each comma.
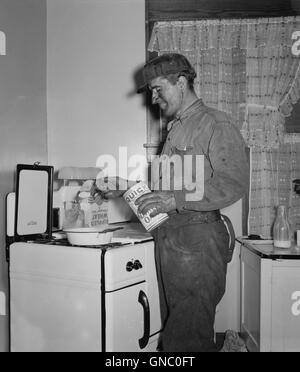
{"points": [[143, 300]]}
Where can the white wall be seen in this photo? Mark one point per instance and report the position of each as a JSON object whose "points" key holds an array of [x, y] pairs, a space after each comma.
{"points": [[94, 49], [23, 132]]}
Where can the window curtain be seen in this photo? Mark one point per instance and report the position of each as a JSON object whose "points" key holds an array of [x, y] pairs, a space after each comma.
{"points": [[246, 68], [272, 175], [217, 58]]}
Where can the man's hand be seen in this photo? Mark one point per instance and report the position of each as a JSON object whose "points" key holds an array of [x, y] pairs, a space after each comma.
{"points": [[160, 201], [112, 187], [96, 195]]}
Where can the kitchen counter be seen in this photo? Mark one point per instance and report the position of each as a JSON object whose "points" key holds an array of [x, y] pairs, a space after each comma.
{"points": [[270, 296], [266, 249]]}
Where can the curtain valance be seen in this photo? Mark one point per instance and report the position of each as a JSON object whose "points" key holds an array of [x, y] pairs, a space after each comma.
{"points": [[226, 34]]}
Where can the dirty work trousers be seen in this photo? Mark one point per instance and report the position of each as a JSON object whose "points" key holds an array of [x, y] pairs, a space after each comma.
{"points": [[191, 259]]}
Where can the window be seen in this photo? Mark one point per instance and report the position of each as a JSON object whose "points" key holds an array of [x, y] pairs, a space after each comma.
{"points": [[292, 123], [185, 10]]}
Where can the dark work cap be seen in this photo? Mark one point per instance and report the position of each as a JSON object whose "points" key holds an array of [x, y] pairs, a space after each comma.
{"points": [[163, 65]]}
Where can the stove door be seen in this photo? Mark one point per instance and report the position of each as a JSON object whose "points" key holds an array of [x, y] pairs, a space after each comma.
{"points": [[128, 320]]}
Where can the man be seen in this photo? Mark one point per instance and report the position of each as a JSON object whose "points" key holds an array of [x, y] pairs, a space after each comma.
{"points": [[192, 246]]}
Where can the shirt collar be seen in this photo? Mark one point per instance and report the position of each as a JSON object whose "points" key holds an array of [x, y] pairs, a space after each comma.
{"points": [[186, 113]]}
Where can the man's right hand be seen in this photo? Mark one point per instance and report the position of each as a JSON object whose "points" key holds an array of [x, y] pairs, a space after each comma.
{"points": [[112, 187]]}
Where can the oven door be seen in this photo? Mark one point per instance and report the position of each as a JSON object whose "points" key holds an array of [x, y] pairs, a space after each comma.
{"points": [[128, 319]]}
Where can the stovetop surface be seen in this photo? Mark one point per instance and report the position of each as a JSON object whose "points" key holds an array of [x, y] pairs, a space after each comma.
{"points": [[64, 242], [132, 233]]}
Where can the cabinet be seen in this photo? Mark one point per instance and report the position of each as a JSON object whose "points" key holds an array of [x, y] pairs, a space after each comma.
{"points": [[270, 298]]}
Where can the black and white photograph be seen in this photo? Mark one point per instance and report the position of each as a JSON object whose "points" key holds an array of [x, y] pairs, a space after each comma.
{"points": [[149, 178]]}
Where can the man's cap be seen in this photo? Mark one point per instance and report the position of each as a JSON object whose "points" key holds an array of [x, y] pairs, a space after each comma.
{"points": [[163, 65]]}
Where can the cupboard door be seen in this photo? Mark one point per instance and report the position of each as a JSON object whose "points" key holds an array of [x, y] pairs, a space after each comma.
{"points": [[54, 315], [286, 306]]}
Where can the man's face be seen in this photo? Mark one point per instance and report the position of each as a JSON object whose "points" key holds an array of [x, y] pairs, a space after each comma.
{"points": [[166, 95]]}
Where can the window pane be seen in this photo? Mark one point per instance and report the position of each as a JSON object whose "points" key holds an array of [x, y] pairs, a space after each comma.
{"points": [[292, 123]]}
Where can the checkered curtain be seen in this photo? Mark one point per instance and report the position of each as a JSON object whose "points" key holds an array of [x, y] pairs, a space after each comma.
{"points": [[246, 68]]}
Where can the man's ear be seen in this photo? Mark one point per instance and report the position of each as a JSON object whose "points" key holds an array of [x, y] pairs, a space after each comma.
{"points": [[182, 82]]}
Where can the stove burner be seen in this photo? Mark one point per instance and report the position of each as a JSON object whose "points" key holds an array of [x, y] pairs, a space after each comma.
{"points": [[53, 241], [65, 242], [108, 245]]}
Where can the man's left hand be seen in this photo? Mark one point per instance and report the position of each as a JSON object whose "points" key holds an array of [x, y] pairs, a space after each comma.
{"points": [[160, 202]]}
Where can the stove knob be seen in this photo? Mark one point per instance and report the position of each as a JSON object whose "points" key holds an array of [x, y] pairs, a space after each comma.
{"points": [[129, 266], [137, 265]]}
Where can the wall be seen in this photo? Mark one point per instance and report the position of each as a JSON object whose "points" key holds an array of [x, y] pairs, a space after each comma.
{"points": [[228, 310], [94, 49], [23, 133]]}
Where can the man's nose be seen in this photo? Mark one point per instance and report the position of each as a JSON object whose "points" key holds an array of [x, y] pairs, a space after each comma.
{"points": [[154, 97]]}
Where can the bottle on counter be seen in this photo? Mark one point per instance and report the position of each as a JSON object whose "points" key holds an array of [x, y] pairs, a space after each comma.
{"points": [[282, 229]]}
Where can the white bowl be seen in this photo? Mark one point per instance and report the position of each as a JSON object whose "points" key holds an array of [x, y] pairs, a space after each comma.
{"points": [[88, 236]]}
